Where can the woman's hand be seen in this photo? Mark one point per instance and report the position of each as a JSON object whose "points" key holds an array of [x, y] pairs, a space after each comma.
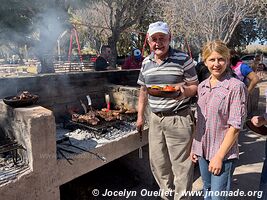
{"points": [[215, 165], [193, 157]]}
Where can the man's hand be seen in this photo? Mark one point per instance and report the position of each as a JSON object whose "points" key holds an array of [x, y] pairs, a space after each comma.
{"points": [[142, 101], [258, 121], [179, 88], [139, 124]]}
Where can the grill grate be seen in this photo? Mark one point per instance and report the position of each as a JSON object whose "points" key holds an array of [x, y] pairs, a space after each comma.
{"points": [[76, 137], [9, 146], [11, 163]]}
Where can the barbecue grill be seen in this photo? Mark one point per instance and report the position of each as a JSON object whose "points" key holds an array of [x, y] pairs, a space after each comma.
{"points": [[11, 162], [106, 130]]}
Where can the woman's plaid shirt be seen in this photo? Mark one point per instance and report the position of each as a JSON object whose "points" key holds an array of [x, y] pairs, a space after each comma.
{"points": [[219, 108]]}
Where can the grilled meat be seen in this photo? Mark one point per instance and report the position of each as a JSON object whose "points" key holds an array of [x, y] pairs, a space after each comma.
{"points": [[93, 117], [23, 95], [109, 115], [89, 118]]}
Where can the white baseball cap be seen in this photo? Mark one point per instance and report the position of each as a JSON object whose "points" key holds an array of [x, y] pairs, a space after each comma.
{"points": [[158, 27]]}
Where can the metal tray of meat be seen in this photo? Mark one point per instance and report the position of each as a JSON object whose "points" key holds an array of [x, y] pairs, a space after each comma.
{"points": [[100, 128]]}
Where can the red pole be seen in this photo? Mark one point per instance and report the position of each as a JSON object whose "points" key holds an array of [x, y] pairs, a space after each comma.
{"points": [[144, 46], [70, 47], [78, 43], [188, 48]]}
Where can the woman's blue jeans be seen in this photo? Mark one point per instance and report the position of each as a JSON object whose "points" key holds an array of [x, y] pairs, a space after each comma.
{"points": [[215, 186]]}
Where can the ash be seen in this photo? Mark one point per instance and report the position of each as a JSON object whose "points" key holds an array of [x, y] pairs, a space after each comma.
{"points": [[120, 130], [111, 133], [90, 140], [10, 170]]}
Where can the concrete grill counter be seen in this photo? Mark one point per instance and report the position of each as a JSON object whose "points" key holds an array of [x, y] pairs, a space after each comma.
{"points": [[39, 129]]}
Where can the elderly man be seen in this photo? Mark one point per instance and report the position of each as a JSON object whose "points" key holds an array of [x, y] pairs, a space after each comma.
{"points": [[171, 123]]}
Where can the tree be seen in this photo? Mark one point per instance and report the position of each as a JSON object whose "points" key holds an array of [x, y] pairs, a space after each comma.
{"points": [[262, 30], [245, 33], [204, 20], [16, 19], [52, 22], [34, 24], [109, 19]]}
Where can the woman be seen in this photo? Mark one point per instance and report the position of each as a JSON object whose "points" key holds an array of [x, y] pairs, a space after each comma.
{"points": [[244, 73], [221, 112]]}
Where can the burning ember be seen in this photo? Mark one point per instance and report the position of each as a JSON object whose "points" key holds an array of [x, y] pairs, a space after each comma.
{"points": [[86, 132]]}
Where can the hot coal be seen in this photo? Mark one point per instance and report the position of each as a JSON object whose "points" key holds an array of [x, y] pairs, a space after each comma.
{"points": [[88, 139]]}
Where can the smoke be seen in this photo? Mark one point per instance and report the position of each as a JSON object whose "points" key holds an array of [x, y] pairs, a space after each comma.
{"points": [[32, 24], [52, 22]]}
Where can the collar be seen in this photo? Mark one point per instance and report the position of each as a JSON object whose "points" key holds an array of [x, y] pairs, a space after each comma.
{"points": [[224, 82]]}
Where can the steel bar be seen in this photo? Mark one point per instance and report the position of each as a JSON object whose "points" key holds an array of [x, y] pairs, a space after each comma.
{"points": [[7, 144], [85, 150], [11, 148], [67, 150], [68, 159], [13, 171]]}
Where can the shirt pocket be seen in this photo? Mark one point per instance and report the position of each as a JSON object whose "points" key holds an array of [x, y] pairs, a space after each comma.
{"points": [[202, 93], [220, 102]]}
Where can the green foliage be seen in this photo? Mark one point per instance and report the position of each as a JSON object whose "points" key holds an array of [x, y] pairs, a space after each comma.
{"points": [[262, 31], [244, 34], [247, 32], [16, 19]]}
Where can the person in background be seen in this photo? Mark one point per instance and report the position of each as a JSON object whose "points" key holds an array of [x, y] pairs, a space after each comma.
{"points": [[221, 113], [259, 121], [244, 72], [202, 71], [260, 70], [170, 122], [255, 63], [102, 61], [134, 61]]}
